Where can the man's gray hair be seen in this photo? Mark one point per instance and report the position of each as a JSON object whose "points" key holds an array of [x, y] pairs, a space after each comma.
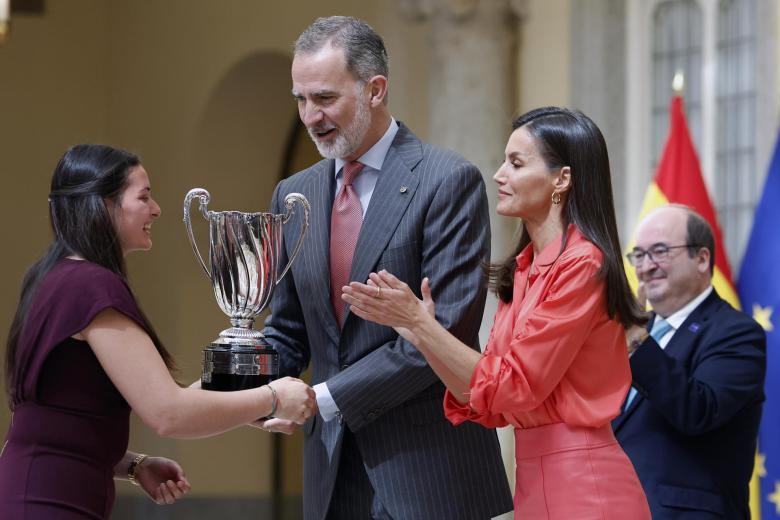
{"points": [[698, 234], [364, 49]]}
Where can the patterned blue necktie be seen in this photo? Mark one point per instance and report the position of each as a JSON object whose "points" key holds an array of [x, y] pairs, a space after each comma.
{"points": [[659, 330]]}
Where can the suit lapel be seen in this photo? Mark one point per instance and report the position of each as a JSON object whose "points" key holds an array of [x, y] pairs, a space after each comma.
{"points": [[677, 347], [392, 194], [316, 246], [684, 337], [621, 418]]}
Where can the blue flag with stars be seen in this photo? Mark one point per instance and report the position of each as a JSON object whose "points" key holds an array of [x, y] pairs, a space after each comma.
{"points": [[759, 292]]}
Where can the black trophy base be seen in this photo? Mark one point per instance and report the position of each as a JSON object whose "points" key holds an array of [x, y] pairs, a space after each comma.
{"points": [[238, 367], [231, 382]]}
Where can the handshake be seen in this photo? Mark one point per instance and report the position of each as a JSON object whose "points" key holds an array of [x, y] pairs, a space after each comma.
{"points": [[294, 402]]}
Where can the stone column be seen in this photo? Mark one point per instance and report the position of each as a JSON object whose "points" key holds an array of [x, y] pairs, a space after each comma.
{"points": [[598, 88], [473, 85]]}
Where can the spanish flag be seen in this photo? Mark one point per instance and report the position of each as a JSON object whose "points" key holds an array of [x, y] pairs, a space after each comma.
{"points": [[679, 180]]}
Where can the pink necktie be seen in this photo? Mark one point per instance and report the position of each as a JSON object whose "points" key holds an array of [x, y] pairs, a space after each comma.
{"points": [[345, 222]]}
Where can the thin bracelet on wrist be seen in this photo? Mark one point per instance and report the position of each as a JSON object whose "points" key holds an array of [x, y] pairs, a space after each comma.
{"points": [[131, 469], [274, 403]]}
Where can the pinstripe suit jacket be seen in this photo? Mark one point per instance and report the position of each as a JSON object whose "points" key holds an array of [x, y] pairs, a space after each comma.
{"points": [[420, 466]]}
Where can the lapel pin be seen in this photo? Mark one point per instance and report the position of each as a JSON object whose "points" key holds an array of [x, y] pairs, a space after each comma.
{"points": [[693, 327], [404, 189]]}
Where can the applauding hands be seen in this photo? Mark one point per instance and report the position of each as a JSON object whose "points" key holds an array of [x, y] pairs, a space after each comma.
{"points": [[388, 301]]}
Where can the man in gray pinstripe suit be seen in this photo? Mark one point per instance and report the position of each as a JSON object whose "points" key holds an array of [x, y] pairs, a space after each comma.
{"points": [[380, 446]]}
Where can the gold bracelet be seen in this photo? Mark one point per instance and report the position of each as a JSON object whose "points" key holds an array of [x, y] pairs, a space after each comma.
{"points": [[137, 460]]}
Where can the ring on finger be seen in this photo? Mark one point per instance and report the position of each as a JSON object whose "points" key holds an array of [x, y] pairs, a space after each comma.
{"points": [[378, 294]]}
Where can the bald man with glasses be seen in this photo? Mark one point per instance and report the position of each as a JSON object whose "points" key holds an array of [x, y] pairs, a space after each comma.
{"points": [[690, 421]]}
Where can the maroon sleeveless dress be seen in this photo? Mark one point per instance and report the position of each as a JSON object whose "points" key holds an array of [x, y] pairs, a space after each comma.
{"points": [[70, 424]]}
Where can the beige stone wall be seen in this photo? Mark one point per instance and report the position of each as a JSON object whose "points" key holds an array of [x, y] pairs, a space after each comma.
{"points": [[543, 60], [53, 93]]}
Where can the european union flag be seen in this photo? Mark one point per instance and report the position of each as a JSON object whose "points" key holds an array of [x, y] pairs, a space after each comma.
{"points": [[759, 292]]}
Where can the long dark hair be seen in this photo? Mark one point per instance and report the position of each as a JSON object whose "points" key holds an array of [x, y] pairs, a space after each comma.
{"points": [[569, 138], [85, 177]]}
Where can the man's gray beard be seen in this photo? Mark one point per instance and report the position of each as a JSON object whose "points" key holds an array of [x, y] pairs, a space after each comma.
{"points": [[349, 138]]}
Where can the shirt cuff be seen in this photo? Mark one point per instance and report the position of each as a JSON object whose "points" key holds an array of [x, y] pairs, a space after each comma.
{"points": [[328, 408], [455, 411]]}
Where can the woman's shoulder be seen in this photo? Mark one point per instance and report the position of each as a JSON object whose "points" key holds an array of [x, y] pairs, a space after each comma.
{"points": [[78, 280], [580, 251], [71, 294], [74, 267]]}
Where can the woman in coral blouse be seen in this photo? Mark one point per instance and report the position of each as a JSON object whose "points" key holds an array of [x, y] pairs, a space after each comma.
{"points": [[555, 366]]}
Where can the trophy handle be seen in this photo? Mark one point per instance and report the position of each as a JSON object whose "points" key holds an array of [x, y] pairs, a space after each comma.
{"points": [[289, 202], [204, 200]]}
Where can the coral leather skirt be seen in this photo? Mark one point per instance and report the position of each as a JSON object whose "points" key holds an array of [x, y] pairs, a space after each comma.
{"points": [[568, 472]]}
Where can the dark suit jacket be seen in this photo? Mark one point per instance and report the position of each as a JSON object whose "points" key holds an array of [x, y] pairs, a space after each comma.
{"points": [[428, 216], [691, 430]]}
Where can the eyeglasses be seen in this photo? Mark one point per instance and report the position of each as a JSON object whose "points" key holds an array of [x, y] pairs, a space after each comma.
{"points": [[658, 253]]}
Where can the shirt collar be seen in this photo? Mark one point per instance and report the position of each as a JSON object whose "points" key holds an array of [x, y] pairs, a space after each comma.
{"points": [[375, 156], [547, 256], [678, 318]]}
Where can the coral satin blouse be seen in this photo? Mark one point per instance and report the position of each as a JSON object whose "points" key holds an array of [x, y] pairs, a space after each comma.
{"points": [[553, 355]]}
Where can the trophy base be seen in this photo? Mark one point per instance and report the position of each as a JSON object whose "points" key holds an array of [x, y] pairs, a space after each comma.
{"points": [[229, 367]]}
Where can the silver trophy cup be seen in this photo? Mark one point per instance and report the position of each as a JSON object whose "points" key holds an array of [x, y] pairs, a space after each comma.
{"points": [[244, 252]]}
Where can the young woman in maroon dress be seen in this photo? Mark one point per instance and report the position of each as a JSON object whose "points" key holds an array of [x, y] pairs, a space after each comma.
{"points": [[81, 355], [555, 366]]}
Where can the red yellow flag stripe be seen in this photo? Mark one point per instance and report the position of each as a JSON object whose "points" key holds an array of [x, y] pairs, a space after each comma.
{"points": [[678, 180]]}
